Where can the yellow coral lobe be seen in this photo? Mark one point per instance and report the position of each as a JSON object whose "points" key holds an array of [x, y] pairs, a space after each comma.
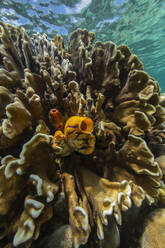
{"points": [[78, 134]]}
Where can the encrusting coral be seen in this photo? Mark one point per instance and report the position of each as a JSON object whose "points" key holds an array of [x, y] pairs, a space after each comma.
{"points": [[82, 122]]}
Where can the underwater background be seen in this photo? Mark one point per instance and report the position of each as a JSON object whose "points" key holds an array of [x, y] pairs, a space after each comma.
{"points": [[138, 23]]}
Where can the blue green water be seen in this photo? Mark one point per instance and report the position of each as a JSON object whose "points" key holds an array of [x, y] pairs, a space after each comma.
{"points": [[138, 23]]}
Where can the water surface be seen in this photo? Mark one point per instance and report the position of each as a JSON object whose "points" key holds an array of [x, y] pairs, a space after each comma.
{"points": [[138, 23]]}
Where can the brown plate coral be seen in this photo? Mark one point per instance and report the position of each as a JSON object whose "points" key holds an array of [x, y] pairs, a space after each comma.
{"points": [[77, 124]]}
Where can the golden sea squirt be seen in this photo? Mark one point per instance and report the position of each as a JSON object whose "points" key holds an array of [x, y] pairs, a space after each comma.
{"points": [[60, 145], [78, 134]]}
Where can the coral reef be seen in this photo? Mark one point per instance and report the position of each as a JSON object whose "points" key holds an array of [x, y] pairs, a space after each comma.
{"points": [[84, 123]]}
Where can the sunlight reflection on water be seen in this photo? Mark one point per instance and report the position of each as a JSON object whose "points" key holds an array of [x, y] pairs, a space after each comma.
{"points": [[122, 21]]}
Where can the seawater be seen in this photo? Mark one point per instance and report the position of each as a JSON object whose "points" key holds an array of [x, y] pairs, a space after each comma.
{"points": [[138, 23]]}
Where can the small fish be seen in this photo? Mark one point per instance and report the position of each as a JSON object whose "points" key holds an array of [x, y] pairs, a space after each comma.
{"points": [[55, 118], [78, 134]]}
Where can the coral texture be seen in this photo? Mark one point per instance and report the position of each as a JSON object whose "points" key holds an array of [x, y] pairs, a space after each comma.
{"points": [[153, 235], [82, 122]]}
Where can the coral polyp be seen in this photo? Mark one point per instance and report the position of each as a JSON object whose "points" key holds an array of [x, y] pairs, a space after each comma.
{"points": [[78, 127]]}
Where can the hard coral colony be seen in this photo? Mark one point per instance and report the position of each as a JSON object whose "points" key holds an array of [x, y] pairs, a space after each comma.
{"points": [[79, 127]]}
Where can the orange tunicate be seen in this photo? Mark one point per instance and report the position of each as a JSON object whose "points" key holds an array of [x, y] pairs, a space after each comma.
{"points": [[56, 119], [78, 134], [78, 123]]}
